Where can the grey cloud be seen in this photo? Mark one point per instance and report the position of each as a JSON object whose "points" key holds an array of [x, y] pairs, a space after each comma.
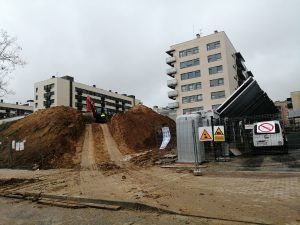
{"points": [[120, 45]]}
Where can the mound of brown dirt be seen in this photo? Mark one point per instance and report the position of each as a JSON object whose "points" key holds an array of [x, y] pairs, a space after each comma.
{"points": [[138, 129], [50, 134]]}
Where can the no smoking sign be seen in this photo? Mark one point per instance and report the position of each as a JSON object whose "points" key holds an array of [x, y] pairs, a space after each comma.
{"points": [[265, 127]]}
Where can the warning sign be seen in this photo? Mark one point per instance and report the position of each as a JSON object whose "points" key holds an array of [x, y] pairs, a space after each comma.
{"points": [[205, 134], [219, 133], [266, 127]]}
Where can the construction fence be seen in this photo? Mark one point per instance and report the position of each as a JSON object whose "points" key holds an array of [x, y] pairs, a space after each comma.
{"points": [[241, 136]]}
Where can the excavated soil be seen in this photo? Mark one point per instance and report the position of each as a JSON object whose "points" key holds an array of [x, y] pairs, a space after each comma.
{"points": [[51, 136], [139, 129], [101, 155]]}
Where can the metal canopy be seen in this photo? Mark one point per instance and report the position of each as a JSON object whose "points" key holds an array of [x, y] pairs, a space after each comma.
{"points": [[248, 100]]}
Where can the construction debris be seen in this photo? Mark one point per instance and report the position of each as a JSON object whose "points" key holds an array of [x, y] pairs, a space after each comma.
{"points": [[144, 159]]}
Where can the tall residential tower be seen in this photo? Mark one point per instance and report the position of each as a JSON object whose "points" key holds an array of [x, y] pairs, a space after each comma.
{"points": [[205, 71]]}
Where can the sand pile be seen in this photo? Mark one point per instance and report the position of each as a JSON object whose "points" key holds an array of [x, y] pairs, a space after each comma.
{"points": [[50, 134], [138, 129]]}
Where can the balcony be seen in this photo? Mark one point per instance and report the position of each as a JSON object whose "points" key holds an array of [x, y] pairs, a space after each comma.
{"points": [[173, 105], [170, 52], [240, 65], [170, 60], [249, 74], [48, 95], [171, 71], [172, 83], [239, 56], [172, 94], [242, 74]]}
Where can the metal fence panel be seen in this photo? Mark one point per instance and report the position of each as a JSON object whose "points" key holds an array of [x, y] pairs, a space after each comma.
{"points": [[189, 148]]}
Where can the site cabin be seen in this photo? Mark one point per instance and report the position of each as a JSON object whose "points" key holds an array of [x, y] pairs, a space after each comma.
{"points": [[269, 135]]}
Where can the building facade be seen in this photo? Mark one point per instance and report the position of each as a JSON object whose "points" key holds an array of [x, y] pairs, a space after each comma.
{"points": [[166, 111], [204, 71], [64, 91], [8, 110], [283, 109], [294, 107]]}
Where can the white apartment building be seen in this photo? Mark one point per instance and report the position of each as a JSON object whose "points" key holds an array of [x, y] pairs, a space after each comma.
{"points": [[8, 110], [205, 71], [64, 91]]}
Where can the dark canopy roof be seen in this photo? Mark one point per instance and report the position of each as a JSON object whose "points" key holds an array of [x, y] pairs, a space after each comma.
{"points": [[248, 100]]}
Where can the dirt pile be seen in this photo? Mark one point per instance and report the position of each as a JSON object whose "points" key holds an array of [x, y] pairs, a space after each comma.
{"points": [[51, 136], [138, 129]]}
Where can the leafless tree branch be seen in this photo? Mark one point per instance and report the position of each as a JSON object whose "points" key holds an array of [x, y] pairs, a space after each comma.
{"points": [[9, 59]]}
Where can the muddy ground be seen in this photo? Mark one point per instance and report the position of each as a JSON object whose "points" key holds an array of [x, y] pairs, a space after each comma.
{"points": [[23, 212], [259, 198]]}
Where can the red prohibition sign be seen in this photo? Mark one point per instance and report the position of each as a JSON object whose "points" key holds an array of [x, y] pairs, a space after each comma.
{"points": [[266, 127]]}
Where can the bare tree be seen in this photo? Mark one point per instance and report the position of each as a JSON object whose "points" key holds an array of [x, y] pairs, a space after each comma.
{"points": [[9, 59]]}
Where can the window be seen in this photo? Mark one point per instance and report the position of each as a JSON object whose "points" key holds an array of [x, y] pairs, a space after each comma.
{"points": [[192, 110], [48, 87], [193, 98], [36, 105], [189, 51], [214, 107], [190, 75], [191, 87], [36, 97], [213, 58], [215, 69], [218, 94], [217, 82], [36, 89], [189, 63], [213, 45]]}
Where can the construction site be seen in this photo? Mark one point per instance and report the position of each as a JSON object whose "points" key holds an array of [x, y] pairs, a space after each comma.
{"points": [[92, 133], [71, 162]]}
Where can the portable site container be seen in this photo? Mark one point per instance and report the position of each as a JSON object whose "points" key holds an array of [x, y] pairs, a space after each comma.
{"points": [[188, 149]]}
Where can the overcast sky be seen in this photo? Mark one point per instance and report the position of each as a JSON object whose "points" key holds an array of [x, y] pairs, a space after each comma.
{"points": [[120, 45]]}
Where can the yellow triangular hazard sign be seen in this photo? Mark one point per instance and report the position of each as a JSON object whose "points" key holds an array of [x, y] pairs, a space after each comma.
{"points": [[205, 135], [219, 131]]}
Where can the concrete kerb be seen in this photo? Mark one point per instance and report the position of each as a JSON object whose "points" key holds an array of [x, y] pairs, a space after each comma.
{"points": [[123, 204]]}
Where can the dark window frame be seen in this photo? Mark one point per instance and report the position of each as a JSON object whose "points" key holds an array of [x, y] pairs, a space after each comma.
{"points": [[214, 57], [214, 95], [189, 51], [191, 87], [190, 75], [192, 98], [218, 83], [191, 110], [215, 69], [189, 63], [213, 45]]}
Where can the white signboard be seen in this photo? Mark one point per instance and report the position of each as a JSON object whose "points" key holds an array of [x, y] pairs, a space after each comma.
{"points": [[265, 127], [205, 134], [249, 126], [17, 146], [22, 145], [166, 137]]}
